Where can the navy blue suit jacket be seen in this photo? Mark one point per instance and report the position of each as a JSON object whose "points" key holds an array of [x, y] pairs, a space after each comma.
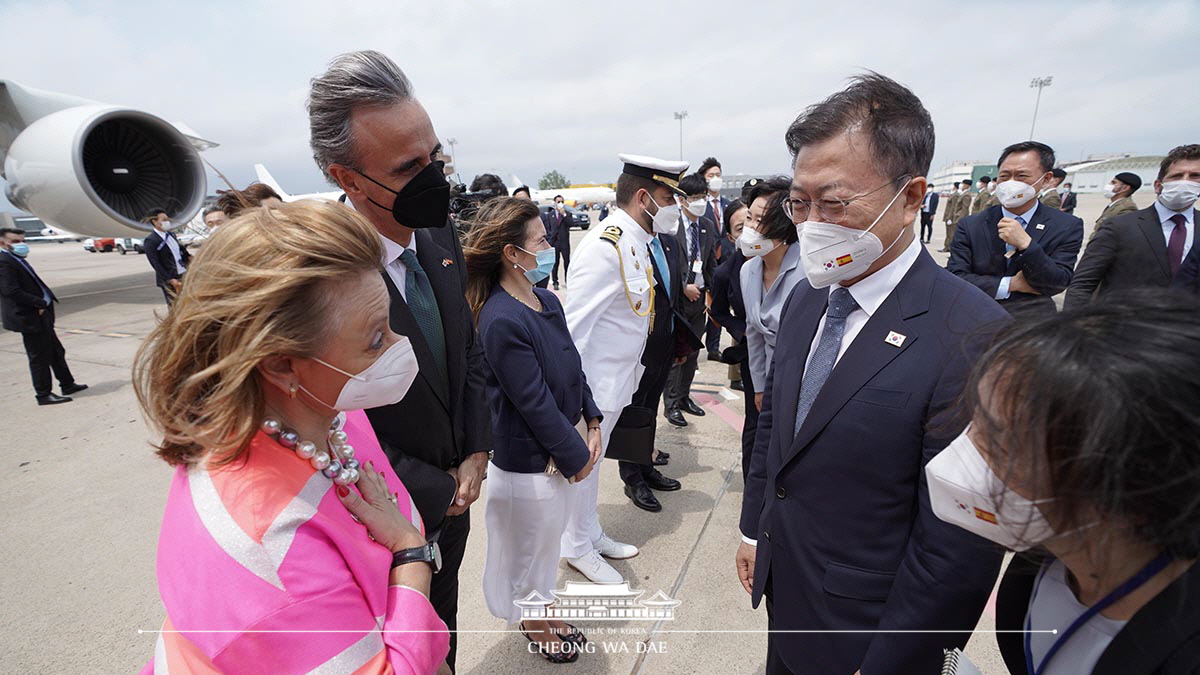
{"points": [[977, 254], [710, 213], [933, 202], [161, 258], [558, 228], [535, 385], [846, 535], [728, 308], [1188, 277]]}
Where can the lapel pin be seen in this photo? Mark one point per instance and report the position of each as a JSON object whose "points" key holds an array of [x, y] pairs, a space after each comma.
{"points": [[1041, 226], [446, 262], [894, 339]]}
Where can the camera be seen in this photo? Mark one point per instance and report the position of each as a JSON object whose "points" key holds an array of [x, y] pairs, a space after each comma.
{"points": [[464, 204]]}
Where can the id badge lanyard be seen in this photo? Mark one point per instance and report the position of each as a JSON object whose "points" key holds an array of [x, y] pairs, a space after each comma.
{"points": [[1133, 583]]}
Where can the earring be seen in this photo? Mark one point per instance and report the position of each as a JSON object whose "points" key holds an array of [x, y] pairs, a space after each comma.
{"points": [[292, 390]]}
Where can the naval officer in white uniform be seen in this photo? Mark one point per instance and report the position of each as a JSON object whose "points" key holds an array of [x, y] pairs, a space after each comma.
{"points": [[609, 316]]}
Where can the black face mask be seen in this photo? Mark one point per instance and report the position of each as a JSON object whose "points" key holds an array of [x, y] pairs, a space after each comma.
{"points": [[424, 202]]}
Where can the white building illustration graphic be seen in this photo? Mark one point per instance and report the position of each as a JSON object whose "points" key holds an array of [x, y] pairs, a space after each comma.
{"points": [[598, 602]]}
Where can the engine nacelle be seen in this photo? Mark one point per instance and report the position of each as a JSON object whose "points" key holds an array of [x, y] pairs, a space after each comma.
{"points": [[98, 170]]}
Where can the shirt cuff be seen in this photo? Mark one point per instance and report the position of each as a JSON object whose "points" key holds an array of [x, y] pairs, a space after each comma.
{"points": [[1002, 290], [748, 540]]}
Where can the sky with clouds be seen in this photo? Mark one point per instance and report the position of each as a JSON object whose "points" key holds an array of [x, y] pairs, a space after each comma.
{"points": [[528, 86]]}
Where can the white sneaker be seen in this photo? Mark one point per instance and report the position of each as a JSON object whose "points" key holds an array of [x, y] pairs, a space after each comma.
{"points": [[615, 549], [594, 568]]}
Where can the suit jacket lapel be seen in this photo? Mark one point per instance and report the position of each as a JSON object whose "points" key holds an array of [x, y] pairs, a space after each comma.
{"points": [[1151, 228], [997, 247], [868, 354]]}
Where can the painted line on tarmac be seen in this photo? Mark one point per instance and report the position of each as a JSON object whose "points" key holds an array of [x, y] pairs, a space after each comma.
{"points": [[727, 414], [734, 420], [106, 290]]}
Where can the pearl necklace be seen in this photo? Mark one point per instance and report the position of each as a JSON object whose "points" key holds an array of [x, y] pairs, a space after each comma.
{"points": [[338, 465]]}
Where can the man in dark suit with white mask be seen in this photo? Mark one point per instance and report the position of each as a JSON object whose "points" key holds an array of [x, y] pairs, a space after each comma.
{"points": [[871, 356]]}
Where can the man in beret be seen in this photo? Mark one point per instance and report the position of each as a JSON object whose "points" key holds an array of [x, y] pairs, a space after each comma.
{"points": [[1120, 193]]}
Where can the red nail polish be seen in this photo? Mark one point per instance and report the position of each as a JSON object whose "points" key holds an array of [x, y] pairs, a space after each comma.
{"points": [[343, 491]]}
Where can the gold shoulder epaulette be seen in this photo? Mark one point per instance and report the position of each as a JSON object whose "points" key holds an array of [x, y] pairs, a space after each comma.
{"points": [[611, 234]]}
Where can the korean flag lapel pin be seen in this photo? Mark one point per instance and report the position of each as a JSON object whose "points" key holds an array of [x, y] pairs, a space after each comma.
{"points": [[895, 339]]}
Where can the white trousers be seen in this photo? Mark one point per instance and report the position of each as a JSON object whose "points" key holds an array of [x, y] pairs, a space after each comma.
{"points": [[525, 516], [583, 529]]}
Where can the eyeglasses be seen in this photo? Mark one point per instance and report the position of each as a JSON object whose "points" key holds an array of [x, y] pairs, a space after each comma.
{"points": [[831, 209]]}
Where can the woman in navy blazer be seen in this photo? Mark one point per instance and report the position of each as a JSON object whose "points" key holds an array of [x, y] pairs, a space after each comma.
{"points": [[546, 427]]}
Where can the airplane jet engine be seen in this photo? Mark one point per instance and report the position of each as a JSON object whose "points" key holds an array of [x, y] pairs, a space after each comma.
{"points": [[95, 169]]}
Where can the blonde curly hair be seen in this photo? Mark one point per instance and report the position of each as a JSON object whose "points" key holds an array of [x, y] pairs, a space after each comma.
{"points": [[260, 287]]}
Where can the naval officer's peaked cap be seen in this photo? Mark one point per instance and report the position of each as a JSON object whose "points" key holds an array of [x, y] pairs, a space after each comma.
{"points": [[661, 171]]}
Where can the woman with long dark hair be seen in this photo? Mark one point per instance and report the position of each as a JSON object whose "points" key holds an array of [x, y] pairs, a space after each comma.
{"points": [[1084, 445], [546, 426]]}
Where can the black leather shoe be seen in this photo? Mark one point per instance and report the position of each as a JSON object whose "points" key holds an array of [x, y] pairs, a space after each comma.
{"points": [[656, 480], [556, 285], [661, 459], [714, 356], [67, 391], [736, 385], [689, 406], [52, 398], [664, 455], [643, 498], [675, 417]]}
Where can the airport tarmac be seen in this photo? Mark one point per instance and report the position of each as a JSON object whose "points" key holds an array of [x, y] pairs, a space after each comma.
{"points": [[83, 500]]}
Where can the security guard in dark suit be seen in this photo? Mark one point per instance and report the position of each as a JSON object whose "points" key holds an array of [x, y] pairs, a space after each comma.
{"points": [[27, 307], [697, 242]]}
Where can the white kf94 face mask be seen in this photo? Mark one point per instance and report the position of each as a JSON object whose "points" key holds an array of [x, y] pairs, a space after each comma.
{"points": [[832, 253], [1179, 195], [666, 220], [384, 382], [752, 244], [964, 491]]}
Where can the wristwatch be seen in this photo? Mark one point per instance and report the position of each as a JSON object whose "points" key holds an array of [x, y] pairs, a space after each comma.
{"points": [[429, 553]]}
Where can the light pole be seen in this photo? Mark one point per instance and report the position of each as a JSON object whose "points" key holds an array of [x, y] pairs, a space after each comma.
{"points": [[453, 155], [1040, 83], [680, 116]]}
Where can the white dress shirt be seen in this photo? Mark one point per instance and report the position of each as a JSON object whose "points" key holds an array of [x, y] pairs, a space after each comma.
{"points": [[869, 293], [1054, 607], [699, 262], [1164, 217], [173, 247], [396, 269]]}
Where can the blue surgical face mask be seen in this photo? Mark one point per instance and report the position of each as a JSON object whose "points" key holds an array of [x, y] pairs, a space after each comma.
{"points": [[21, 249], [545, 263]]}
